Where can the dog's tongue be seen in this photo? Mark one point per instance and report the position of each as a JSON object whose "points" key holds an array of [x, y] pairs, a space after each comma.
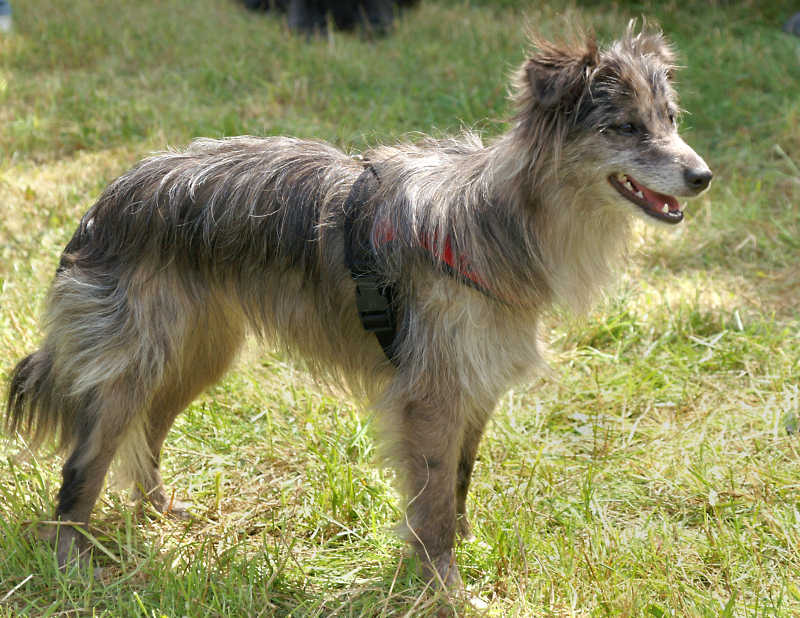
{"points": [[656, 200]]}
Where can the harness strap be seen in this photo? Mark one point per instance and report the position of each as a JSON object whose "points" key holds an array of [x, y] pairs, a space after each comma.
{"points": [[374, 297], [457, 265]]}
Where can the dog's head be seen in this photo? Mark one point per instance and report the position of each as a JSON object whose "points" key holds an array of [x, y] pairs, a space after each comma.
{"points": [[617, 109]]}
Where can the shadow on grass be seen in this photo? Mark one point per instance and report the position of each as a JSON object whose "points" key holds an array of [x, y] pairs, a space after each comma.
{"points": [[141, 564]]}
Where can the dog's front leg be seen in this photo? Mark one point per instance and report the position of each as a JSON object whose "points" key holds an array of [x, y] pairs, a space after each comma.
{"points": [[472, 433], [431, 436]]}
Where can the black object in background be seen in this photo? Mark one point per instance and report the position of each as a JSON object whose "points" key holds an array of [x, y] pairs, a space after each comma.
{"points": [[312, 15]]}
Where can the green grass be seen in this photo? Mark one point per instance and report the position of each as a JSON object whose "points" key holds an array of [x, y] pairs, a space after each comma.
{"points": [[648, 473]]}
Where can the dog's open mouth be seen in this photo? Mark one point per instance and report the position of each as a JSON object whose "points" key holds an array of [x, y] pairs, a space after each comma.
{"points": [[658, 205]]}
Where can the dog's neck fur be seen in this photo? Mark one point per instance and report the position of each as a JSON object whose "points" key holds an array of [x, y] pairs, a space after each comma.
{"points": [[528, 221], [575, 240]]}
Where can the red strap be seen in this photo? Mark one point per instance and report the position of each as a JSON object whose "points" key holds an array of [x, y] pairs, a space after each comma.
{"points": [[460, 265]]}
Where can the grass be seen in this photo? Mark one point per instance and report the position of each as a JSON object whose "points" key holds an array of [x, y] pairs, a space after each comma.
{"points": [[648, 473]]}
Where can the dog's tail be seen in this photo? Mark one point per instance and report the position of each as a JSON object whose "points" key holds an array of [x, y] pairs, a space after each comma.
{"points": [[37, 405], [34, 406]]}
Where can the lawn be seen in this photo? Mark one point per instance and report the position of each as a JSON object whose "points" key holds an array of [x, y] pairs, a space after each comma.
{"points": [[651, 471]]}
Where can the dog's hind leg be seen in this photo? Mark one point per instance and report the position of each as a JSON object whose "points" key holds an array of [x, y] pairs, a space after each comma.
{"points": [[116, 341], [429, 450], [142, 453], [99, 431], [206, 355]]}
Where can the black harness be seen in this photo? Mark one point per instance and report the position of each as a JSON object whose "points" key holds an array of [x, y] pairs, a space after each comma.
{"points": [[374, 296]]}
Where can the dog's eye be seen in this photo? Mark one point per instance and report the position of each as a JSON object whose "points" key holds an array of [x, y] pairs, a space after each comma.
{"points": [[627, 129], [672, 119]]}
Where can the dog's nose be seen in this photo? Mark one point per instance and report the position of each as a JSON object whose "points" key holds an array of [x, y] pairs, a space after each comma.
{"points": [[698, 178]]}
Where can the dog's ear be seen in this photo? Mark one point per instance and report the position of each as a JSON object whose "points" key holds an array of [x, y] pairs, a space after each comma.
{"points": [[651, 42], [558, 74], [654, 44]]}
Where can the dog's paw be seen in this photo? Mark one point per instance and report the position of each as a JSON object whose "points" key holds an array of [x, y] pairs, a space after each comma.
{"points": [[442, 571], [165, 504], [464, 529], [71, 547], [178, 509]]}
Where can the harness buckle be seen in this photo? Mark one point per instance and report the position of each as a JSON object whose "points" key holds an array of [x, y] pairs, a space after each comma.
{"points": [[374, 304]]}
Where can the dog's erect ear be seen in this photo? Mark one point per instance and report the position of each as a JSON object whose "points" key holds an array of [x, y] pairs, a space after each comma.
{"points": [[650, 42], [558, 75], [656, 45]]}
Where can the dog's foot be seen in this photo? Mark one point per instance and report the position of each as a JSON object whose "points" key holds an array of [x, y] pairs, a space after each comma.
{"points": [[464, 529], [442, 570], [176, 508], [71, 547], [165, 504]]}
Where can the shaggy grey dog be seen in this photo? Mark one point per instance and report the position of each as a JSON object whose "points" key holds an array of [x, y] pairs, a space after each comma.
{"points": [[186, 253]]}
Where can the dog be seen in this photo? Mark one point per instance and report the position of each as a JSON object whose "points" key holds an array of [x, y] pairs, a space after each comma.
{"points": [[312, 16], [466, 246]]}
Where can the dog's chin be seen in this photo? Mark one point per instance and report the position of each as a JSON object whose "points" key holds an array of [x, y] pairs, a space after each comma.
{"points": [[651, 206]]}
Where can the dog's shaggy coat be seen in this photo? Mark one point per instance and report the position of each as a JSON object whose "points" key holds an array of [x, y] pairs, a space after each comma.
{"points": [[184, 254]]}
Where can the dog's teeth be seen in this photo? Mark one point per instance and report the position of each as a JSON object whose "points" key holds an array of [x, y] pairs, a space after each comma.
{"points": [[665, 209], [640, 194]]}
